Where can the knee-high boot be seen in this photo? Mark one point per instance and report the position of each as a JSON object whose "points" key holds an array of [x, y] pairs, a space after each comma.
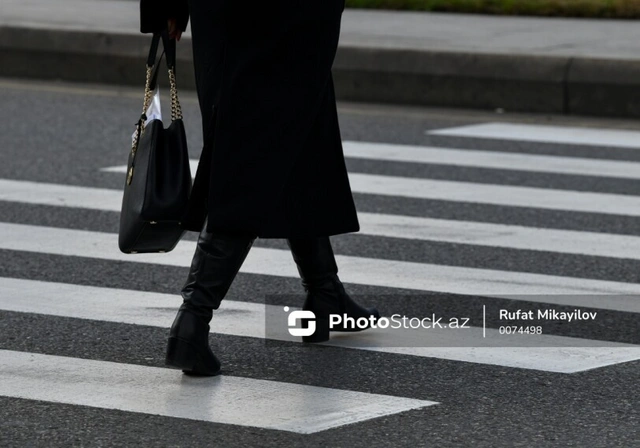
{"points": [[216, 262], [325, 292]]}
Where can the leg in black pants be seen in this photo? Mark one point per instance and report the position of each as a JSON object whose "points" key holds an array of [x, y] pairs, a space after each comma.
{"points": [[216, 263], [325, 292]]}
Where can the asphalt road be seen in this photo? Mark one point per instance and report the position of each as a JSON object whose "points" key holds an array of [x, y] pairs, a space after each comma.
{"points": [[65, 134]]}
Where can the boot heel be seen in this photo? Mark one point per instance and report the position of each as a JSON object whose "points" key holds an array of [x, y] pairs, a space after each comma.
{"points": [[321, 334], [181, 355]]}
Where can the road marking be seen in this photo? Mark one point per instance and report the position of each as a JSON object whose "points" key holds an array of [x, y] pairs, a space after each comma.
{"points": [[547, 134], [358, 270], [493, 160], [58, 195], [394, 226], [501, 235], [222, 399], [560, 355], [479, 159], [504, 195]]}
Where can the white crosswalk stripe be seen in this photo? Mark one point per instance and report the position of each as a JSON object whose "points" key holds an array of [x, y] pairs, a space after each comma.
{"points": [[378, 224], [504, 195], [547, 134], [481, 159], [305, 409], [223, 399], [493, 160], [562, 355], [358, 270]]}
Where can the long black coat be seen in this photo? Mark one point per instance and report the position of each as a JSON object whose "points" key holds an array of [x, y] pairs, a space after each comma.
{"points": [[272, 164]]}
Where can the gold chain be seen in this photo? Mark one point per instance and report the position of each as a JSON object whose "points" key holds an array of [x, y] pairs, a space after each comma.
{"points": [[140, 125], [147, 101], [176, 109], [147, 91]]}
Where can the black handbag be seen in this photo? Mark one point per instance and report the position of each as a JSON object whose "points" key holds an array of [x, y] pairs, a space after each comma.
{"points": [[158, 180]]}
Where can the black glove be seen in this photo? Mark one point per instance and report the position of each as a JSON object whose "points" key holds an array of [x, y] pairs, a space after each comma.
{"points": [[154, 14]]}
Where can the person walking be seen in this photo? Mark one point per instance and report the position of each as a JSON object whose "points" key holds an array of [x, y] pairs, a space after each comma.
{"points": [[272, 164]]}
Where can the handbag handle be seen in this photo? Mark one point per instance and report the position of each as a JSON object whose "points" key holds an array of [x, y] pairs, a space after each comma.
{"points": [[169, 48]]}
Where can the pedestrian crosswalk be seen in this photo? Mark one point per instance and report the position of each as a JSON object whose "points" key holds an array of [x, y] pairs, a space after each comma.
{"points": [[503, 195], [547, 134], [378, 224], [481, 159], [358, 270], [153, 390], [305, 408], [247, 319]]}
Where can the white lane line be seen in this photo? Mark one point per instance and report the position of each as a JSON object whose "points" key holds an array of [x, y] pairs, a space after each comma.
{"points": [[364, 271], [481, 159], [493, 160], [58, 195], [395, 226], [547, 134], [501, 235], [504, 195], [560, 354], [222, 399]]}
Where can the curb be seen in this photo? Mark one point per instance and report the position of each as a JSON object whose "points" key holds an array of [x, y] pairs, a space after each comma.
{"points": [[513, 82]]}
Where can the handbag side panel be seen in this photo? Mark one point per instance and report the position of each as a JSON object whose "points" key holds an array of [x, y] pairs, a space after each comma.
{"points": [[131, 214]]}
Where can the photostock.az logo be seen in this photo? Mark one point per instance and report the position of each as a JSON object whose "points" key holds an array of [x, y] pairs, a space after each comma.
{"points": [[307, 317]]}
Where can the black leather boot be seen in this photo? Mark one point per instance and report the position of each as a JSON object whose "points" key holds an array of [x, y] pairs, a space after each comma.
{"points": [[325, 292], [216, 262]]}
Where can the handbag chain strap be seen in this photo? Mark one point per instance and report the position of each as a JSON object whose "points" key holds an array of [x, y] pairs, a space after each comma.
{"points": [[148, 94], [176, 109], [170, 51], [150, 85], [151, 80]]}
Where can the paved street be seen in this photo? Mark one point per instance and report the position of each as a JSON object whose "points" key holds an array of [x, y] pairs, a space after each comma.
{"points": [[528, 64], [460, 212]]}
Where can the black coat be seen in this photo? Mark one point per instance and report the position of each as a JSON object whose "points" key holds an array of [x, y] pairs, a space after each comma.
{"points": [[272, 164]]}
